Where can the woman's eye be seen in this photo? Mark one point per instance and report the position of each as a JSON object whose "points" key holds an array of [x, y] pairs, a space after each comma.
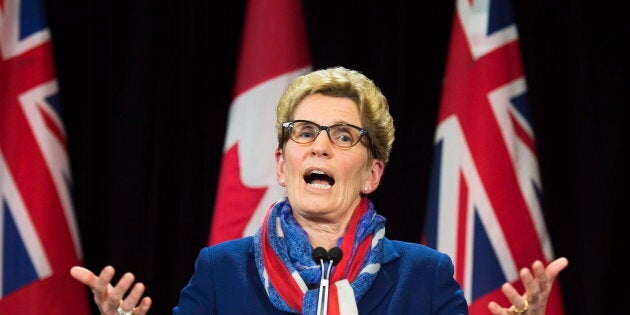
{"points": [[346, 138]]}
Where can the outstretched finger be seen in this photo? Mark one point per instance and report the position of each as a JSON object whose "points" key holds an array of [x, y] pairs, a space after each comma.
{"points": [[496, 309], [554, 268], [84, 276], [144, 306], [532, 285], [538, 269], [99, 284], [512, 295], [102, 286], [125, 282], [133, 297]]}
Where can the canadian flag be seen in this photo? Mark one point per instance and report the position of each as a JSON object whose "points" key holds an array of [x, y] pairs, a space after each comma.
{"points": [[274, 52]]}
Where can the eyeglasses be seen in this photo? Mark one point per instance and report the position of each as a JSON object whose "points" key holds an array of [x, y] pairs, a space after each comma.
{"points": [[341, 135]]}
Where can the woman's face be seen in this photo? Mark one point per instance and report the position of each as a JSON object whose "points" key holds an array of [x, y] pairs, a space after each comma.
{"points": [[348, 171]]}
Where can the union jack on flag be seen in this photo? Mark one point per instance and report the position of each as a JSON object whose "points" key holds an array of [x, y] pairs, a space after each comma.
{"points": [[485, 201], [39, 240]]}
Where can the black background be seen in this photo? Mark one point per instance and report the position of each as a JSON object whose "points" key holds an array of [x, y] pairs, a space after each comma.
{"points": [[146, 87]]}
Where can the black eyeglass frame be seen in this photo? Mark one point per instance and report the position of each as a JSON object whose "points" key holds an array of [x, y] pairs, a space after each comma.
{"points": [[289, 124]]}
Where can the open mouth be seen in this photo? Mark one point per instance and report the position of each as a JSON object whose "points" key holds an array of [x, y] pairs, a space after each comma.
{"points": [[318, 179]]}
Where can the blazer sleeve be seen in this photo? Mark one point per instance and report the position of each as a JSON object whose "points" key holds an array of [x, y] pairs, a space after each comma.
{"points": [[197, 297], [449, 296]]}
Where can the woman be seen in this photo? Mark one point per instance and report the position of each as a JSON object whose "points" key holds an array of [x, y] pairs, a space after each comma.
{"points": [[327, 178]]}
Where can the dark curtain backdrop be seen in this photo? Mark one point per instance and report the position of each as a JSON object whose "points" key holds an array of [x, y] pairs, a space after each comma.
{"points": [[146, 87]]}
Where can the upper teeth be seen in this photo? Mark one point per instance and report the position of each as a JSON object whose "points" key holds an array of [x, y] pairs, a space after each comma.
{"points": [[316, 172]]}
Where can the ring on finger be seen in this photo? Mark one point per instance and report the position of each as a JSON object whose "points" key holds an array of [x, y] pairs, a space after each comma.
{"points": [[123, 312], [520, 310]]}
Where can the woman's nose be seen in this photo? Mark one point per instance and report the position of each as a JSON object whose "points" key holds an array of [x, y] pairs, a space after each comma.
{"points": [[322, 146]]}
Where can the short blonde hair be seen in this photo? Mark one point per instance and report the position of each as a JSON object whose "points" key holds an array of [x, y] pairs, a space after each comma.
{"points": [[342, 82]]}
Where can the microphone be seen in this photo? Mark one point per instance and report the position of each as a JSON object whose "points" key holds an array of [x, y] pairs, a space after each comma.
{"points": [[335, 254], [319, 253], [333, 257]]}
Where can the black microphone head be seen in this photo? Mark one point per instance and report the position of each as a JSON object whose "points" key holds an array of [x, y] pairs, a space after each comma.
{"points": [[335, 255], [319, 253]]}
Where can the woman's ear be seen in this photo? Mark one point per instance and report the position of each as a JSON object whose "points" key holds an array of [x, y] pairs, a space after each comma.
{"points": [[279, 167], [374, 176]]}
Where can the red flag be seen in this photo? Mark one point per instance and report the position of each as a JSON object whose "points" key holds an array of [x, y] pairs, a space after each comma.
{"points": [[39, 240], [274, 51], [485, 203]]}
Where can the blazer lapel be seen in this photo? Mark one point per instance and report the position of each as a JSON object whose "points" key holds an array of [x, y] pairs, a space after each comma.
{"points": [[383, 282]]}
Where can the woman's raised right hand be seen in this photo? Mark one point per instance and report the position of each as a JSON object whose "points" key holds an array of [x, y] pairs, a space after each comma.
{"points": [[113, 300]]}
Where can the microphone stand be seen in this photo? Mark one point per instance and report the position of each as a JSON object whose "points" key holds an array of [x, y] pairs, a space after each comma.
{"points": [[334, 256], [324, 286], [319, 254]]}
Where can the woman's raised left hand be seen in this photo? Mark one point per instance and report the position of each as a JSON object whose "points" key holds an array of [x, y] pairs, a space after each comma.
{"points": [[537, 282]]}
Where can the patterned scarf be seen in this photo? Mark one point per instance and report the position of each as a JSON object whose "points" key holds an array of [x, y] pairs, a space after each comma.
{"points": [[291, 277]]}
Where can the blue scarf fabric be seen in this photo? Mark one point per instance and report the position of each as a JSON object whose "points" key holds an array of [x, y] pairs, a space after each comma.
{"points": [[289, 242]]}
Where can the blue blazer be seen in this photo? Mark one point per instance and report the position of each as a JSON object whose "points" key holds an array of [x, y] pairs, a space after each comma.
{"points": [[413, 279]]}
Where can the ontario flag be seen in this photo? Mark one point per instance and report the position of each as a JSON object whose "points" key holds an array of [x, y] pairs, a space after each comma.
{"points": [[485, 200], [39, 241], [274, 51]]}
